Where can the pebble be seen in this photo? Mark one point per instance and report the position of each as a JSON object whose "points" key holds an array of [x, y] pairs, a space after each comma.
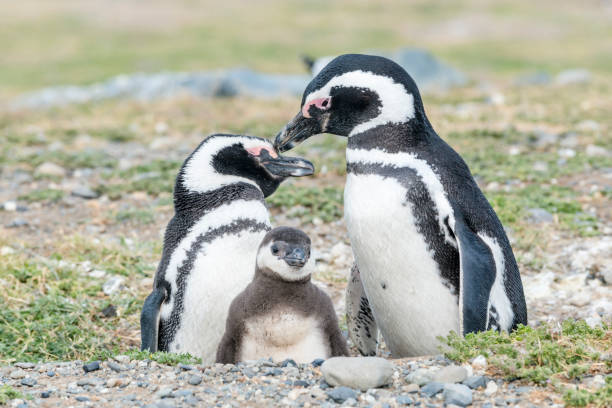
{"points": [[432, 388], [28, 381], [195, 380], [84, 192], [112, 285], [357, 372], [404, 400], [420, 377], [491, 388], [341, 394], [539, 215], [479, 362], [81, 398], [50, 169], [93, 366], [17, 374], [475, 381], [26, 366], [115, 366], [457, 394], [451, 374], [593, 151], [45, 394], [573, 76], [17, 222]]}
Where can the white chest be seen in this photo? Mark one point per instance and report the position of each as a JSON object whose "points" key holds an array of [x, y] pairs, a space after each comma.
{"points": [[400, 276], [284, 335], [221, 270]]}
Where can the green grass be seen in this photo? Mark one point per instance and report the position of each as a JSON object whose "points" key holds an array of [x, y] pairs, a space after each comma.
{"points": [[47, 194], [309, 202], [8, 393], [154, 178], [543, 355], [163, 358]]}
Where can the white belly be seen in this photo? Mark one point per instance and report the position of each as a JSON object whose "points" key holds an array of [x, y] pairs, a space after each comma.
{"points": [[414, 307], [221, 271], [283, 335]]}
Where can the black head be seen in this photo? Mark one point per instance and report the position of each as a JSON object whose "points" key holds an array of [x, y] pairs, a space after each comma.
{"points": [[285, 254], [227, 159], [352, 94]]}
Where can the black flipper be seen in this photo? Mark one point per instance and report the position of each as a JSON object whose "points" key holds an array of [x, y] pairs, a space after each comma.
{"points": [[476, 279], [149, 319]]}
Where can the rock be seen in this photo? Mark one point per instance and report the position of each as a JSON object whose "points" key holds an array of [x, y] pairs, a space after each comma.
{"points": [[588, 126], [17, 223], [544, 138], [341, 394], [573, 76], [26, 366], [540, 166], [17, 374], [479, 362], [10, 206], [593, 151], [165, 392], [81, 398], [28, 381], [92, 366], [450, 374], [606, 275], [411, 388], [457, 394], [45, 394], [50, 169], [115, 367], [195, 379], [317, 362], [420, 377], [475, 381], [357, 372], [534, 78], [539, 215], [185, 367], [109, 311], [84, 192], [432, 388], [404, 400], [491, 389], [112, 285], [566, 153]]}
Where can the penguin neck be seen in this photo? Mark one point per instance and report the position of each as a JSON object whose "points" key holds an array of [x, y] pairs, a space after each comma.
{"points": [[270, 278], [394, 138], [196, 204]]}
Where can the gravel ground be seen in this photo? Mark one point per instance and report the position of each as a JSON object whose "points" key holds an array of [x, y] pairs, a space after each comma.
{"points": [[427, 382]]}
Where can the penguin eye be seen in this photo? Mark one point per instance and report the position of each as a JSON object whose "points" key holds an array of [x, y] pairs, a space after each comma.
{"points": [[275, 249]]}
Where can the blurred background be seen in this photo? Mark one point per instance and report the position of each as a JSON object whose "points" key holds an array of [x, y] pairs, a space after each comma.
{"points": [[101, 101]]}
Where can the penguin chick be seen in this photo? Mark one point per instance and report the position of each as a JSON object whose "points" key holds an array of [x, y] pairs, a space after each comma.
{"points": [[282, 314]]}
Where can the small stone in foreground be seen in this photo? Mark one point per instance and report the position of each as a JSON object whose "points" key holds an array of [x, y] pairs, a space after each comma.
{"points": [[317, 362], [432, 388], [28, 381], [115, 367], [475, 381], [82, 398], [457, 394], [195, 380], [84, 192], [341, 394], [450, 374], [93, 366], [404, 400], [420, 377], [45, 394], [357, 372]]}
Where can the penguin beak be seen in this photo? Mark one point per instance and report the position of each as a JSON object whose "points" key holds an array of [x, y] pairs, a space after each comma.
{"points": [[296, 258], [282, 166], [296, 131]]}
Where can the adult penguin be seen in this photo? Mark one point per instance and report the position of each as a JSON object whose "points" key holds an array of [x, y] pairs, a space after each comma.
{"points": [[211, 243], [432, 256]]}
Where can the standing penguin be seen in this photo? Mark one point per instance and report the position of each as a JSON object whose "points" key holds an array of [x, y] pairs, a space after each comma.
{"points": [[432, 255], [211, 242], [282, 314]]}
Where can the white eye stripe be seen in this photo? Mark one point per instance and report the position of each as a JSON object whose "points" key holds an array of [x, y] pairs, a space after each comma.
{"points": [[397, 105], [200, 175]]}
